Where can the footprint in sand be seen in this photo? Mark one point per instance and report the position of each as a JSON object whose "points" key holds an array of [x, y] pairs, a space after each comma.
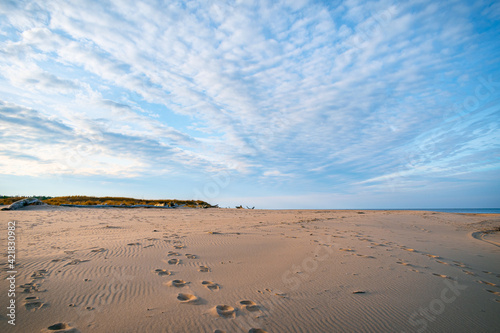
{"points": [[459, 264], [187, 298], [346, 250], [172, 253], [432, 256], [442, 262], [359, 292], [493, 292], [203, 269], [30, 287], [162, 272], [99, 250], [468, 272], [491, 273], [177, 283], [131, 244], [225, 311], [178, 247], [410, 250], [403, 263], [75, 262], [61, 328], [210, 285], [191, 256], [442, 275], [249, 305], [174, 262], [33, 303], [257, 330], [219, 331], [488, 283], [40, 274]]}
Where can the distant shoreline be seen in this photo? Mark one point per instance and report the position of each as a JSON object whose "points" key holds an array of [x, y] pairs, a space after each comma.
{"points": [[484, 211], [124, 202]]}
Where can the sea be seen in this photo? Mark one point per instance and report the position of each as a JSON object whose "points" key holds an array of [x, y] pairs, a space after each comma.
{"points": [[458, 210], [442, 210]]}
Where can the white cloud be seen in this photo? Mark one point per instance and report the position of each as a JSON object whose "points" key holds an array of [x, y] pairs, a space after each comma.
{"points": [[296, 86], [275, 173]]}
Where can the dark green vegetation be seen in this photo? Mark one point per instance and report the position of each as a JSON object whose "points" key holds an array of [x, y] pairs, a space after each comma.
{"points": [[7, 200], [91, 201]]}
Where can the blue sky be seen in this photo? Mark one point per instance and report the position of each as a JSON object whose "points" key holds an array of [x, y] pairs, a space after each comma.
{"points": [[273, 104]]}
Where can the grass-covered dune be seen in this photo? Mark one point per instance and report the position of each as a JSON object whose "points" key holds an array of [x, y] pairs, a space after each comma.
{"points": [[91, 201]]}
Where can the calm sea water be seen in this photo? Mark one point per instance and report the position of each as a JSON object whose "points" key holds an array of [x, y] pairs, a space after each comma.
{"points": [[443, 210], [461, 210]]}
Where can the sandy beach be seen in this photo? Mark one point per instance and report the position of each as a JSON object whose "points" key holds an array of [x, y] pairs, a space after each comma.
{"points": [[228, 270]]}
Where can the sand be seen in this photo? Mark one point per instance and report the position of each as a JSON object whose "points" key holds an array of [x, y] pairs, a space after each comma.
{"points": [[227, 270]]}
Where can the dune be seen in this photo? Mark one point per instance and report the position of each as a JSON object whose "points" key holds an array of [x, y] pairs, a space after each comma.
{"points": [[237, 270]]}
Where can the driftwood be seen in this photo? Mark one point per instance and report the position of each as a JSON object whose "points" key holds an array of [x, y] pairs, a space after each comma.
{"points": [[208, 206], [241, 207], [24, 202]]}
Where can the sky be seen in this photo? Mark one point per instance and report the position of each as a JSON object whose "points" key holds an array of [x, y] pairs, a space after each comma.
{"points": [[272, 104]]}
